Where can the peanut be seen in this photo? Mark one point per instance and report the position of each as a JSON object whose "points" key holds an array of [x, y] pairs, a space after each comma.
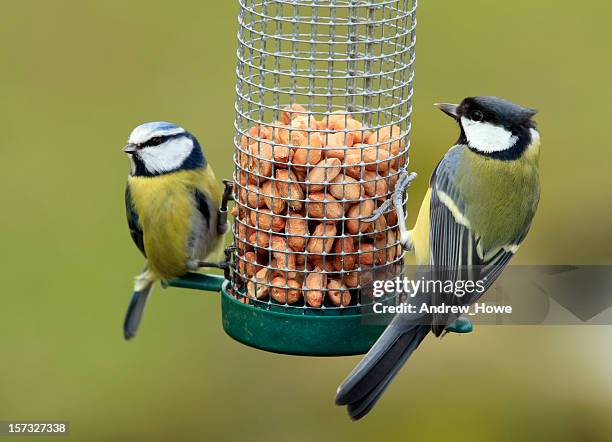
{"points": [[280, 133], [258, 286], [286, 291], [322, 239], [265, 220], [293, 111], [322, 261], [247, 264], [249, 196], [341, 122], [344, 259], [344, 187], [297, 231], [366, 255], [387, 250], [322, 206], [338, 294], [357, 212], [259, 153], [260, 131], [341, 141], [282, 155], [286, 187], [282, 253], [384, 135], [260, 239], [272, 198], [376, 159], [313, 286], [374, 185], [351, 279], [324, 172]]}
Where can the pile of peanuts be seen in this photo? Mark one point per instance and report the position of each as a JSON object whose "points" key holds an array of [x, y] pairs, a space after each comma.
{"points": [[303, 189]]}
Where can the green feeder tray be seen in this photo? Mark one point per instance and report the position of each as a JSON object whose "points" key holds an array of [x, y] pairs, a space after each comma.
{"points": [[321, 332]]}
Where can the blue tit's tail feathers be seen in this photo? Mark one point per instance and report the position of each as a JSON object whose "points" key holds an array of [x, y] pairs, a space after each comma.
{"points": [[367, 382], [142, 290]]}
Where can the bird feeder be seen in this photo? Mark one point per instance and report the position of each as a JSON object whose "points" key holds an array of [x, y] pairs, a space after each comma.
{"points": [[323, 104]]}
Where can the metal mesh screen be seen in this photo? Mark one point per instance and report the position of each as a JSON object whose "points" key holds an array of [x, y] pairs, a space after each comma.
{"points": [[324, 98]]}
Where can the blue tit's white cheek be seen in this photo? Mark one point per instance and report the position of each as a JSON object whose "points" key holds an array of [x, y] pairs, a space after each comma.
{"points": [[486, 137], [166, 157]]}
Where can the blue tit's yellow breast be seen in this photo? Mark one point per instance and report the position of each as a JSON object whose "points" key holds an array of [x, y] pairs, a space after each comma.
{"points": [[165, 205]]}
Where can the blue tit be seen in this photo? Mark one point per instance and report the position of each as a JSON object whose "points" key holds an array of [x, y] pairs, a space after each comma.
{"points": [[173, 206], [479, 207]]}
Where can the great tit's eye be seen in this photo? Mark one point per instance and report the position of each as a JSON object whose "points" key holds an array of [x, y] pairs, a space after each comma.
{"points": [[477, 116]]}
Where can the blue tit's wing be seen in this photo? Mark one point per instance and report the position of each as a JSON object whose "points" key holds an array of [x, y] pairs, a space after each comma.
{"points": [[203, 207], [454, 246], [133, 222]]}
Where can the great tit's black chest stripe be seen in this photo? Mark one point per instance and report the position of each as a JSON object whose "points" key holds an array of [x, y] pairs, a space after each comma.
{"points": [[134, 222], [203, 207]]}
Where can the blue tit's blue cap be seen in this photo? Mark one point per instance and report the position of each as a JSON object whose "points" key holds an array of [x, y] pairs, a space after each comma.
{"points": [[147, 131]]}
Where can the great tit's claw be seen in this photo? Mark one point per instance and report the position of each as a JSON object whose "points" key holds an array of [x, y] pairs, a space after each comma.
{"points": [[380, 211]]}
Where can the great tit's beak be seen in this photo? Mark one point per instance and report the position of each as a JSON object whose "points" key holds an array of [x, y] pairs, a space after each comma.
{"points": [[448, 109], [130, 148]]}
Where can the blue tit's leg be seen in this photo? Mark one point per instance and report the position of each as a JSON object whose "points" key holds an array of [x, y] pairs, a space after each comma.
{"points": [[223, 265], [228, 193], [397, 200], [462, 325]]}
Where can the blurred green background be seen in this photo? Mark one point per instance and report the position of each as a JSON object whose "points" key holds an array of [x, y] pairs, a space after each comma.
{"points": [[78, 76]]}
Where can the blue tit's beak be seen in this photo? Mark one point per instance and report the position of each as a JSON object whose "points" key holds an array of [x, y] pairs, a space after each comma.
{"points": [[448, 109], [130, 148]]}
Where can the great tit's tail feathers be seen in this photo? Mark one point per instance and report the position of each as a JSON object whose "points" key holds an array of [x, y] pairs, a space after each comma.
{"points": [[142, 289], [367, 382]]}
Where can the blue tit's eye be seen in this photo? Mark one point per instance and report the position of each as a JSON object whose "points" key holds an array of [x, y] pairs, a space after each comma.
{"points": [[477, 116], [155, 141]]}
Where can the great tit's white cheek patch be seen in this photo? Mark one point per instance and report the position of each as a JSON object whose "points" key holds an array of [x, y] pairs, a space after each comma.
{"points": [[167, 156], [486, 137]]}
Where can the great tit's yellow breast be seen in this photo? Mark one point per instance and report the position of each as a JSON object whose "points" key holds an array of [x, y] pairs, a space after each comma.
{"points": [[501, 197], [165, 205], [419, 236]]}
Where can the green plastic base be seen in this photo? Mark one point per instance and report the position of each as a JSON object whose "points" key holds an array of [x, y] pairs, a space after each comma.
{"points": [[292, 334], [289, 333]]}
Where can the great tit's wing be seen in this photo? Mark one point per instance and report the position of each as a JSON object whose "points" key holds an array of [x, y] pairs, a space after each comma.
{"points": [[133, 222], [455, 252]]}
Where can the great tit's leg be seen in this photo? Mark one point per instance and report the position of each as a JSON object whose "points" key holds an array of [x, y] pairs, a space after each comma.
{"points": [[397, 200], [228, 193], [462, 325]]}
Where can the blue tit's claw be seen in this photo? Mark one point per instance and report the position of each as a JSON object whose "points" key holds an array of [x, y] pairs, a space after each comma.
{"points": [[462, 325]]}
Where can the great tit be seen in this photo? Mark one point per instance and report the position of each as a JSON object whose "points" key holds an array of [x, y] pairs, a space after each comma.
{"points": [[481, 200], [174, 208]]}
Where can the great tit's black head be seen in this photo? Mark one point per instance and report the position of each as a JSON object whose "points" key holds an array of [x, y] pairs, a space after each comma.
{"points": [[159, 147], [493, 126]]}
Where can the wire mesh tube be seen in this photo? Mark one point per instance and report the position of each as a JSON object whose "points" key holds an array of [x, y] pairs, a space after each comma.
{"points": [[323, 105]]}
